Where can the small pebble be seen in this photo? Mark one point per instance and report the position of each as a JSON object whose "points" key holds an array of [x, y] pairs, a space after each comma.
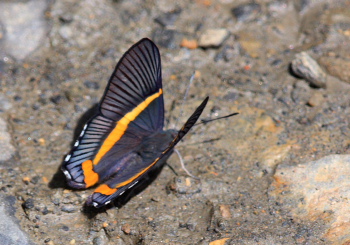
{"points": [[225, 211], [26, 180], [166, 38], [66, 18], [306, 67], [213, 38], [126, 228], [29, 203], [41, 141], [17, 98], [68, 208], [169, 18], [246, 12], [65, 228], [45, 211], [184, 185], [188, 43], [35, 180], [56, 99], [92, 85], [97, 241], [219, 242], [316, 99]]}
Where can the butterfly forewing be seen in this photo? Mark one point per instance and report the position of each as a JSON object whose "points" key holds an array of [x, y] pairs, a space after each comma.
{"points": [[136, 78]]}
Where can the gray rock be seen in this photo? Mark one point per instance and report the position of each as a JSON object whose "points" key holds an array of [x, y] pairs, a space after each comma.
{"points": [[167, 38], [301, 92], [7, 149], [5, 104], [185, 185], [246, 12], [69, 208], [316, 99], [169, 18], [213, 38], [25, 26], [306, 67], [10, 233]]}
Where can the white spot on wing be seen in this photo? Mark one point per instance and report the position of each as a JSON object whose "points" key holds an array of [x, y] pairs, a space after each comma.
{"points": [[121, 193], [82, 133], [76, 143], [67, 174], [95, 204], [107, 202], [67, 158], [133, 184]]}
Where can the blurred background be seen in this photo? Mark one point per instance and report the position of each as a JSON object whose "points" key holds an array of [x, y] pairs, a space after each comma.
{"points": [[278, 173]]}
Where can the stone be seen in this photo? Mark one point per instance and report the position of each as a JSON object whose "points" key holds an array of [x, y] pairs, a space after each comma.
{"points": [[25, 26], [5, 104], [166, 38], [317, 190], [246, 12], [168, 18], [7, 149], [213, 38], [306, 67], [219, 242], [316, 99], [188, 43], [273, 155], [10, 232], [301, 92], [184, 185]]}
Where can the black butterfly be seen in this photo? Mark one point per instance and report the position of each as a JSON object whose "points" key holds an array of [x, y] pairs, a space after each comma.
{"points": [[125, 140]]}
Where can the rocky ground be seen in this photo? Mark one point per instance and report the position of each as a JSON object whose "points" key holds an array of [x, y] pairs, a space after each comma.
{"points": [[278, 173]]}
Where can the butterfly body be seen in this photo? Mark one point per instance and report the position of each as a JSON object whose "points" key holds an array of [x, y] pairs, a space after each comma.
{"points": [[125, 140]]}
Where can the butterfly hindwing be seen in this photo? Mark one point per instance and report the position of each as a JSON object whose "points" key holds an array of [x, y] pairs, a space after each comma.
{"points": [[85, 149], [139, 166]]}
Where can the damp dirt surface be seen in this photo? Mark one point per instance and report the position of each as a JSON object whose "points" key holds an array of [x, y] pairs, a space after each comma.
{"points": [[277, 173]]}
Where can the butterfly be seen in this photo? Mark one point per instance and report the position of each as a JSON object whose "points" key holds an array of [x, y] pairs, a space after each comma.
{"points": [[125, 140]]}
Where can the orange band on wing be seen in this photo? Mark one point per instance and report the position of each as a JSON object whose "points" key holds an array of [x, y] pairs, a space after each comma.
{"points": [[122, 125], [90, 176], [106, 190]]}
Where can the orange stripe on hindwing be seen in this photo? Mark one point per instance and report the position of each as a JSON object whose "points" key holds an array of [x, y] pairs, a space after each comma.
{"points": [[106, 190], [91, 177]]}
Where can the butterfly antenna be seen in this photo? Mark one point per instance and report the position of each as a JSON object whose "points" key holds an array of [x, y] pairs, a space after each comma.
{"points": [[185, 98], [183, 165], [204, 121]]}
